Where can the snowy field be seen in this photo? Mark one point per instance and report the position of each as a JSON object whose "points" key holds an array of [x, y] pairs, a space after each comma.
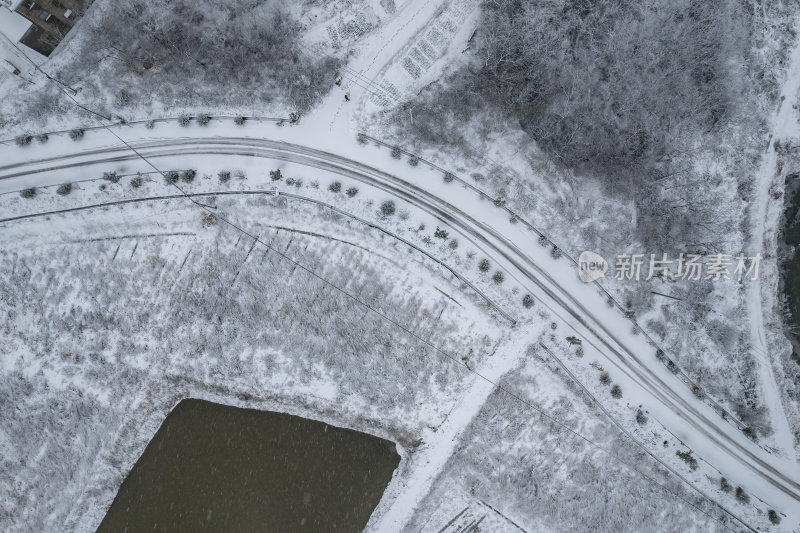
{"points": [[340, 236]]}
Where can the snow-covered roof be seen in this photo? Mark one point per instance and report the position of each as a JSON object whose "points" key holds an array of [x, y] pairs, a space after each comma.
{"points": [[10, 4]]}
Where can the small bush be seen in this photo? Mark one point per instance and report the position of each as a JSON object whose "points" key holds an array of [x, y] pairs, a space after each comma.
{"points": [[28, 193], [483, 265], [579, 351], [605, 379], [275, 175], [498, 277], [336, 186], [203, 119], [440, 233], [449, 177], [387, 208], [184, 120], [188, 175], [150, 124], [64, 189], [171, 177], [361, 138], [137, 182], [698, 392], [741, 495], [542, 240], [111, 176], [724, 485], [774, 517], [555, 252], [749, 433], [660, 355], [553, 326], [641, 418], [396, 152], [76, 134], [352, 191], [499, 202], [573, 340], [527, 301], [42, 138], [23, 140], [453, 244], [687, 458], [239, 120], [616, 392], [413, 160], [224, 176], [629, 314]]}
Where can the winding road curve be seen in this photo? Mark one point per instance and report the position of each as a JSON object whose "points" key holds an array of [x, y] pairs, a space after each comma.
{"points": [[506, 244]]}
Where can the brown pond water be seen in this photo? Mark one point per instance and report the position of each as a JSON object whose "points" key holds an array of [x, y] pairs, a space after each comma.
{"points": [[216, 468]]}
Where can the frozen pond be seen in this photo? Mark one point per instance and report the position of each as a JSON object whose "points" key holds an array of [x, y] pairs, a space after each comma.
{"points": [[212, 467]]}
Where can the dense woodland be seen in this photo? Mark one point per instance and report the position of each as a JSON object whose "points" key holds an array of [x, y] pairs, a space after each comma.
{"points": [[142, 55], [621, 93]]}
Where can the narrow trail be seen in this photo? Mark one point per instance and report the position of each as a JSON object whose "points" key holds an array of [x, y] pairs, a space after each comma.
{"points": [[783, 125], [429, 461]]}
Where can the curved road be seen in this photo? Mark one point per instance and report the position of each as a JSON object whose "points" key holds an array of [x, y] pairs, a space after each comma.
{"points": [[707, 432]]}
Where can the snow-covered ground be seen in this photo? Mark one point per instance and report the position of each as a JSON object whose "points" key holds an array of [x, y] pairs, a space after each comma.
{"points": [[353, 292]]}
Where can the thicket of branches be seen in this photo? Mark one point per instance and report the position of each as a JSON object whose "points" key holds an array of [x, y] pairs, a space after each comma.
{"points": [[615, 89], [181, 53], [610, 85]]}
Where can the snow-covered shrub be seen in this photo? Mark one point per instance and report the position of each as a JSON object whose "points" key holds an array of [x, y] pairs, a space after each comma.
{"points": [[396, 152], [641, 418], [440, 233], [188, 175], [224, 176], [203, 119], [742, 496], [184, 120], [483, 265], [23, 140], [449, 177], [113, 177], [387, 208], [240, 120], [171, 177], [76, 133], [616, 392], [555, 252], [137, 182], [453, 244], [275, 175], [336, 186], [605, 379], [351, 191], [527, 301], [42, 138], [64, 189], [498, 277], [361, 138], [413, 160], [687, 458], [28, 193]]}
